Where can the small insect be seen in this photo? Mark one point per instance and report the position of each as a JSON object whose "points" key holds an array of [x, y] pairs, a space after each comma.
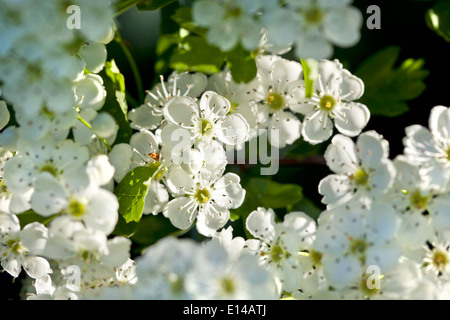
{"points": [[154, 156]]}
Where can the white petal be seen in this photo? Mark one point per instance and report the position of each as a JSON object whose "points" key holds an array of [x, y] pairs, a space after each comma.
{"points": [[180, 212], [120, 158], [261, 224], [143, 117], [341, 271], [341, 155], [34, 237], [372, 148], [335, 189], [342, 26], [49, 196], [94, 54], [181, 111], [357, 116], [284, 129], [102, 211], [233, 130], [438, 120], [315, 131], [211, 218], [227, 191], [313, 45], [4, 114], [36, 267]]}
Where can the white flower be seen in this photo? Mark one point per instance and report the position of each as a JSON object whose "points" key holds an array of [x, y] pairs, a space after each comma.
{"points": [[278, 89], [241, 96], [332, 102], [215, 276], [206, 198], [422, 203], [162, 269], [207, 120], [325, 23], [361, 171], [280, 244], [353, 237], [150, 114], [229, 22], [22, 248], [431, 147]]}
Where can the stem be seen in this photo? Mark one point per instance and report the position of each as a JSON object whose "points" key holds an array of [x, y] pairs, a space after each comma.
{"points": [[133, 65], [125, 6], [88, 125]]}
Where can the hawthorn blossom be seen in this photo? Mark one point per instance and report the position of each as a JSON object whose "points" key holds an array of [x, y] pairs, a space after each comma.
{"points": [[361, 171], [23, 247], [332, 104]]}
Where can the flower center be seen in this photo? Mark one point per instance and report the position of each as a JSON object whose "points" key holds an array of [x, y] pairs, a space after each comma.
{"points": [[76, 208], [228, 285], [275, 101], [50, 169], [277, 253], [327, 103], [313, 15], [233, 12], [358, 248], [206, 126], [15, 246], [418, 200], [369, 286], [360, 177], [440, 260], [316, 257], [202, 195]]}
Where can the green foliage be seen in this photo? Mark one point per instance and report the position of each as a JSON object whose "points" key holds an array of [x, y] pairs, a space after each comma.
{"points": [[115, 102], [152, 4], [262, 192], [186, 49], [310, 71], [131, 192], [242, 64], [438, 19], [387, 88], [195, 54]]}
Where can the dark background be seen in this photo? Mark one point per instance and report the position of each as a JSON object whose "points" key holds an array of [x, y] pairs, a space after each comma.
{"points": [[402, 24]]}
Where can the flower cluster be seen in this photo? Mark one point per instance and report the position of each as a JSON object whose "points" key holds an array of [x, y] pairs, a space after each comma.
{"points": [[61, 166], [312, 26]]}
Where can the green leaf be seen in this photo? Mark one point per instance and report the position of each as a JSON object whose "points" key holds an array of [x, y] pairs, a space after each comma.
{"points": [[387, 87], [262, 192], [183, 16], [310, 72], [242, 65], [152, 4], [131, 192], [152, 228], [31, 216], [438, 19], [195, 54], [115, 103]]}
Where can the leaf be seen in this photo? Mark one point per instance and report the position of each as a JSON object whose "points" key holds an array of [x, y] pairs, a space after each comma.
{"points": [[387, 88], [242, 65], [438, 19], [115, 103], [195, 54], [131, 192], [262, 192], [310, 73], [183, 16], [145, 5], [152, 228]]}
